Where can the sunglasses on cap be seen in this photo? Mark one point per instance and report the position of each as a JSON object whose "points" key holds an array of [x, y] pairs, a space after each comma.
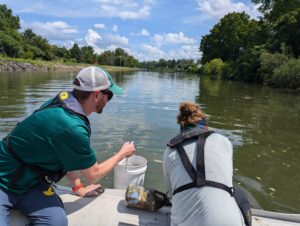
{"points": [[108, 93]]}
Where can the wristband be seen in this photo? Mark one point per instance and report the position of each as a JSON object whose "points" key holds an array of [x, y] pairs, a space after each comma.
{"points": [[77, 187]]}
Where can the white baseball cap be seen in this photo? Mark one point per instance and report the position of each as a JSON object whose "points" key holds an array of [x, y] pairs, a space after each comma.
{"points": [[95, 78]]}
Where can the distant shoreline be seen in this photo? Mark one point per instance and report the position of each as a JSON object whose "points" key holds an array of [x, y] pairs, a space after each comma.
{"points": [[19, 65]]}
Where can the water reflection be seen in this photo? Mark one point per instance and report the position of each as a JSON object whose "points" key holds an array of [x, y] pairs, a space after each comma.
{"points": [[266, 123], [263, 124]]}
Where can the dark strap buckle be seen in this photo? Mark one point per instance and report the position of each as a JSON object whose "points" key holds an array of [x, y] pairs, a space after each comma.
{"points": [[232, 191]]}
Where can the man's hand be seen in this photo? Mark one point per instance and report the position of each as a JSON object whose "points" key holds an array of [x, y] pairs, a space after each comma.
{"points": [[90, 190], [127, 150]]}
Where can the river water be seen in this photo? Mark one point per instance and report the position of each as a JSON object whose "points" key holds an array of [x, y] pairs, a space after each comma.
{"points": [[262, 123]]}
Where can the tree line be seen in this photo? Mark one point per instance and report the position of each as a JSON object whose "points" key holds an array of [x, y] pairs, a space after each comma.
{"points": [[187, 65], [259, 51], [29, 45]]}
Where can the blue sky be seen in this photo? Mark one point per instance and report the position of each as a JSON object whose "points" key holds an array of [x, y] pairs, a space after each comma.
{"points": [[146, 29]]}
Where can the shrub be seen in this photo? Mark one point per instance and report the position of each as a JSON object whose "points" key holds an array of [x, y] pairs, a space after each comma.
{"points": [[9, 46], [213, 68], [269, 62], [287, 75]]}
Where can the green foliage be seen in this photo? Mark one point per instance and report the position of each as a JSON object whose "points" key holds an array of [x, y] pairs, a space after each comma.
{"points": [[229, 38], [268, 63], [75, 53], [279, 70], [117, 58], [87, 54], [257, 51], [273, 9], [106, 58], [247, 66], [7, 20], [214, 68], [9, 46], [287, 75], [187, 65], [287, 31]]}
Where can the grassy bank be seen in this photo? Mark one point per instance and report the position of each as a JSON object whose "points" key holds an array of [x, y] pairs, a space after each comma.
{"points": [[61, 65]]}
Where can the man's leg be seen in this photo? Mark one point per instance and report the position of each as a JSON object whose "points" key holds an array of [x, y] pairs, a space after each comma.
{"points": [[7, 201], [43, 207]]}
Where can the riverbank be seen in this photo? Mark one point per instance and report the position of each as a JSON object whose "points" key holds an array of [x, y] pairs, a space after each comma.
{"points": [[17, 64]]}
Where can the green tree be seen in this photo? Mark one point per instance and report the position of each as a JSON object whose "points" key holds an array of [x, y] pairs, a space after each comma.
{"points": [[60, 52], [287, 75], [273, 9], [214, 68], [38, 45], [9, 46], [268, 63], [120, 56], [10, 38], [106, 58], [287, 32], [229, 38], [7, 20], [75, 53], [87, 55]]}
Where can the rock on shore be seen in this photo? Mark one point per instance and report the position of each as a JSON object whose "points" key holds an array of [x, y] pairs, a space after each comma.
{"points": [[11, 66]]}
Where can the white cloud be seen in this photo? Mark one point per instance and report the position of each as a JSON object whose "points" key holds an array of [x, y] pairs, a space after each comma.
{"points": [[126, 9], [158, 38], [144, 32], [151, 52], [92, 38], [219, 8], [102, 42], [141, 13], [185, 52], [173, 38], [57, 30], [115, 28], [100, 26], [117, 39]]}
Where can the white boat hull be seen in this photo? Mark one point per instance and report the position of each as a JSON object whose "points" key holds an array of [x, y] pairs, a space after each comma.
{"points": [[109, 210]]}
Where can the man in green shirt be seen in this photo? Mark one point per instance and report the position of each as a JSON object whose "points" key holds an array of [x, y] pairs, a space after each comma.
{"points": [[52, 142]]}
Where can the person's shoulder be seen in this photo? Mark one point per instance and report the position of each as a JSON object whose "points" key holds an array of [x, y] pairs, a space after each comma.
{"points": [[219, 138]]}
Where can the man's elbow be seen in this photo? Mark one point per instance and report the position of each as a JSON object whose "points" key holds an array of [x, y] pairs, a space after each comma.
{"points": [[92, 174]]}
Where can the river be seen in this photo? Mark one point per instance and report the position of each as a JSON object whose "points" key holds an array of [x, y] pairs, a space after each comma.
{"points": [[262, 123]]}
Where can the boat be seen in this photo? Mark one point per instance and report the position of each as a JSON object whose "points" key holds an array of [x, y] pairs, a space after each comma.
{"points": [[109, 209]]}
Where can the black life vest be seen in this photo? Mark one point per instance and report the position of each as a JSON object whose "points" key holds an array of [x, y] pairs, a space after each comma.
{"points": [[198, 175], [45, 175]]}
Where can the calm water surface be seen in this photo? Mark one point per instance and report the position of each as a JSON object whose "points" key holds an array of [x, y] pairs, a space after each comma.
{"points": [[263, 125]]}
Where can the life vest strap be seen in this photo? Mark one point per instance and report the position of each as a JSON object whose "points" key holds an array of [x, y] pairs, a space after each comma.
{"points": [[230, 190]]}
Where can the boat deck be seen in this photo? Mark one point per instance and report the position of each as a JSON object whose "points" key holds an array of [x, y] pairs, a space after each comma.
{"points": [[109, 210]]}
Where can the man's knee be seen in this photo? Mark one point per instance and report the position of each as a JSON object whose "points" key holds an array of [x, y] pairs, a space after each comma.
{"points": [[52, 216], [59, 220], [58, 217]]}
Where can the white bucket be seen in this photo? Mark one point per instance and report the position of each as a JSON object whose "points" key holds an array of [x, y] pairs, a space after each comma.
{"points": [[130, 171]]}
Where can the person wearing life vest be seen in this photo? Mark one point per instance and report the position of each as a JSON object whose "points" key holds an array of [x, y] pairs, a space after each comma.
{"points": [[52, 142], [198, 170]]}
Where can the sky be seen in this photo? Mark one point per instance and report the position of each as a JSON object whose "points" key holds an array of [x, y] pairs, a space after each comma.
{"points": [[146, 29]]}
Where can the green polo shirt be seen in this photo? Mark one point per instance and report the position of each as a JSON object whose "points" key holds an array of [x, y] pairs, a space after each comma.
{"points": [[53, 139]]}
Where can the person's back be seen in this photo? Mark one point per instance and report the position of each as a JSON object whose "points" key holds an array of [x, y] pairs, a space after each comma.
{"points": [[205, 206], [38, 140]]}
